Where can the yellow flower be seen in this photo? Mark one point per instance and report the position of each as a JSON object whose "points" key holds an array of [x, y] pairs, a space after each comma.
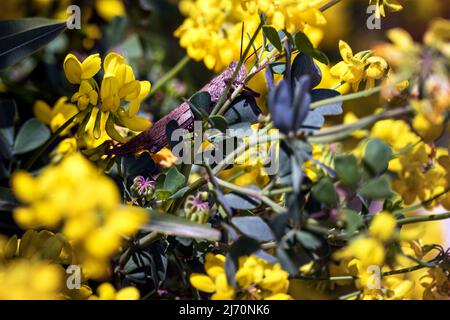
{"points": [[108, 9], [106, 291], [30, 279], [118, 97], [92, 33], [164, 158], [212, 29], [86, 95], [75, 198], [357, 68], [351, 69], [55, 117], [350, 117], [383, 226], [256, 279], [382, 5], [428, 131], [77, 71], [368, 251], [396, 133], [64, 149], [437, 36], [376, 69], [216, 280]]}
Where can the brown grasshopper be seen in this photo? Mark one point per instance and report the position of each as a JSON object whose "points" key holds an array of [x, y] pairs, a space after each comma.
{"points": [[154, 138]]}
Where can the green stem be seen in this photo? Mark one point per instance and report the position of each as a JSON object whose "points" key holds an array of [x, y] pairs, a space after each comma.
{"points": [[346, 97], [342, 131], [329, 5], [169, 75], [279, 191], [424, 218], [50, 140], [337, 278], [252, 193], [420, 204], [350, 295], [224, 95], [405, 270]]}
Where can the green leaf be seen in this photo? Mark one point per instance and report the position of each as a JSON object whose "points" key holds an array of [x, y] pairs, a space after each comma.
{"points": [[378, 188], [353, 221], [179, 193], [240, 201], [177, 226], [346, 167], [132, 47], [8, 112], [162, 194], [303, 43], [325, 192], [273, 37], [220, 123], [141, 165], [174, 180], [320, 56], [31, 135], [202, 101], [377, 155], [309, 240], [20, 38], [253, 227]]}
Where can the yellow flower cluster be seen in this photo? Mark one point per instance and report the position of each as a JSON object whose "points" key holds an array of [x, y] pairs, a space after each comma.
{"points": [[364, 254], [256, 279], [382, 5], [24, 272], [434, 99], [361, 67], [106, 291], [436, 283], [118, 98], [422, 170], [212, 30], [25, 279], [74, 197]]}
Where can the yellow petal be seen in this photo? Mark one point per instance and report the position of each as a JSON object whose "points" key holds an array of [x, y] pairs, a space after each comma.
{"points": [[109, 87], [135, 123], [42, 111], [72, 69], [112, 62], [345, 50], [202, 282], [383, 226], [90, 66], [106, 291], [130, 90], [128, 293], [25, 186], [108, 9]]}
